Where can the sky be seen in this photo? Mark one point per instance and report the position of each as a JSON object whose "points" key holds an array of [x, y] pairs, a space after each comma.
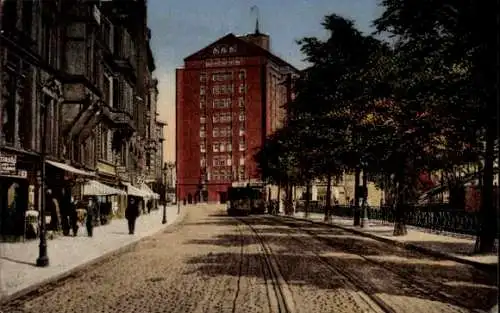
{"points": [[182, 27]]}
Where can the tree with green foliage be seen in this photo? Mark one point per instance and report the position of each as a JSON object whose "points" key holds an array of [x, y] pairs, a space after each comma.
{"points": [[448, 41]]}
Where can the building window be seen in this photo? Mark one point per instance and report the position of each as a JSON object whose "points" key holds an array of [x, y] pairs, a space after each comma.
{"points": [[203, 119], [219, 160], [229, 147], [222, 103], [241, 102], [242, 88], [203, 147], [202, 104], [215, 147], [216, 50], [203, 133], [241, 172], [242, 161], [203, 162], [215, 132], [242, 144], [223, 50], [242, 116], [242, 129], [202, 90], [203, 77], [229, 161], [107, 89], [242, 75], [222, 147], [232, 49], [215, 118]]}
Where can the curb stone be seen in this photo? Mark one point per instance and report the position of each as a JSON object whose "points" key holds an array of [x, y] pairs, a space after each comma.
{"points": [[409, 246], [70, 273]]}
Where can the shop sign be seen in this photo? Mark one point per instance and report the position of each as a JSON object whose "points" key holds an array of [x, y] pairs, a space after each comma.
{"points": [[8, 164]]}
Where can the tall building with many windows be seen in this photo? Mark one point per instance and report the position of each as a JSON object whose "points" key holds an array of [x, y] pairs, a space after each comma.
{"points": [[230, 97]]}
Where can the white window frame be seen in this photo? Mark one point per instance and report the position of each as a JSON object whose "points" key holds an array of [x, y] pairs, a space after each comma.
{"points": [[242, 116], [229, 147], [215, 147], [203, 147], [242, 161], [111, 81], [203, 119]]}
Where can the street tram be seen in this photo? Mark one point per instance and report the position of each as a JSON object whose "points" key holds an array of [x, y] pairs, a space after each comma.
{"points": [[246, 199]]}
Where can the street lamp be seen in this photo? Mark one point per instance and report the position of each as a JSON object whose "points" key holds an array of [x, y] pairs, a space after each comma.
{"points": [[364, 220], [43, 258], [177, 195], [163, 196]]}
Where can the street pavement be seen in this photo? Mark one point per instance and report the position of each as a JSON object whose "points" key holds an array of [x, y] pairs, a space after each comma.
{"points": [[210, 262], [17, 260], [456, 247]]}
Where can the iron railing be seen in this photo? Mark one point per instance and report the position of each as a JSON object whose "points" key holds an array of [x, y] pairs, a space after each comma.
{"points": [[438, 217]]}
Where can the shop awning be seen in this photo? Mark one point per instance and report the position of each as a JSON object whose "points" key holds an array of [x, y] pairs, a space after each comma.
{"points": [[150, 192], [95, 188], [71, 169], [136, 192]]}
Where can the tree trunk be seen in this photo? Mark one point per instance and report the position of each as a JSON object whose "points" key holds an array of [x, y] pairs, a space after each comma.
{"points": [[356, 197], [288, 200], [399, 216], [487, 232], [307, 202], [328, 207]]}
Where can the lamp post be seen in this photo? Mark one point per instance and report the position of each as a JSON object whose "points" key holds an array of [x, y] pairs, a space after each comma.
{"points": [[43, 259], [163, 196], [177, 195], [364, 208]]}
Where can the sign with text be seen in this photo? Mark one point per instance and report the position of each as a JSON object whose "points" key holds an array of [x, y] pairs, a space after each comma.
{"points": [[8, 164]]}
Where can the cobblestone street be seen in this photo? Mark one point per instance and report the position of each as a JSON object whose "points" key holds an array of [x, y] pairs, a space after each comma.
{"points": [[210, 262]]}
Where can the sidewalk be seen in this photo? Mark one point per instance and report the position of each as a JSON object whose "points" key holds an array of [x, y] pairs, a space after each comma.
{"points": [[19, 274], [449, 247]]}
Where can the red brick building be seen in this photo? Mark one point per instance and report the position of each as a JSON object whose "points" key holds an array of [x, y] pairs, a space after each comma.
{"points": [[230, 96]]}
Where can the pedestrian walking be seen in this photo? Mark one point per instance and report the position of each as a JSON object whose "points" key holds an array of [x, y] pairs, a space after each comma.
{"points": [[91, 210], [65, 211], [150, 206], [131, 214]]}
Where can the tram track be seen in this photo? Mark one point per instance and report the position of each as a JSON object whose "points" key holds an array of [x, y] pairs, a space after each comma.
{"points": [[279, 294], [428, 288]]}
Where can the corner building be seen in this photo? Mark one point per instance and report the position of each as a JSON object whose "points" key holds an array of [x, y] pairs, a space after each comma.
{"points": [[230, 97]]}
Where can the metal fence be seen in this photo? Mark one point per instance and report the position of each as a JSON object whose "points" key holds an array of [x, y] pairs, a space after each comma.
{"points": [[438, 217]]}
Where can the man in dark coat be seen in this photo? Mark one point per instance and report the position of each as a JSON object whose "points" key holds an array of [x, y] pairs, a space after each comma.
{"points": [[91, 211], [131, 214]]}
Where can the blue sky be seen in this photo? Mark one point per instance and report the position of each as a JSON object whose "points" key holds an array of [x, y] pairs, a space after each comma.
{"points": [[180, 28]]}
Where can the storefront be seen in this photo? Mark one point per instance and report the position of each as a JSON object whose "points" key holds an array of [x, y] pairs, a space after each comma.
{"points": [[17, 191]]}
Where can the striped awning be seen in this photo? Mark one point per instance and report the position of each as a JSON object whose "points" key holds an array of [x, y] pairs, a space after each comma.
{"points": [[136, 192], [151, 193], [70, 169], [95, 188]]}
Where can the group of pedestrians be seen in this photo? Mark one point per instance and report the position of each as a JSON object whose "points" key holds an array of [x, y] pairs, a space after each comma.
{"points": [[64, 213]]}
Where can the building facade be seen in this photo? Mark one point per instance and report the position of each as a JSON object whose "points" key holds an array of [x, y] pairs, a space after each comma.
{"points": [[79, 72], [229, 97]]}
